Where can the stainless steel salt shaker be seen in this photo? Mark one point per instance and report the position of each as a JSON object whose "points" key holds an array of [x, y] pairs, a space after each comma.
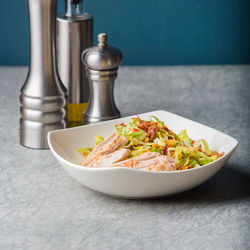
{"points": [[101, 62], [43, 96]]}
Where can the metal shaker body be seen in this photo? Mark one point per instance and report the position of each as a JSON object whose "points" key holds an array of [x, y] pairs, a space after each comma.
{"points": [[74, 35], [43, 96], [102, 64]]}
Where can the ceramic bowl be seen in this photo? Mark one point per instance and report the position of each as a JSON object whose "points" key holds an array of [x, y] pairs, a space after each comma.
{"points": [[133, 183]]}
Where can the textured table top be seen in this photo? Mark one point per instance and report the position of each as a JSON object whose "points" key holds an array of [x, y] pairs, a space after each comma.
{"points": [[41, 207]]}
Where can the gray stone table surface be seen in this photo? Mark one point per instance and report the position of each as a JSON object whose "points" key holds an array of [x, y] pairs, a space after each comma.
{"points": [[41, 207]]}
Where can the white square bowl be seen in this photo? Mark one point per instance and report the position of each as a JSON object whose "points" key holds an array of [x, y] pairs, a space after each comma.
{"points": [[133, 183]]}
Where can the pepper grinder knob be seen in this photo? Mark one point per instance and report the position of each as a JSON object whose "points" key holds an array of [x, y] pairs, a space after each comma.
{"points": [[102, 40], [101, 62]]}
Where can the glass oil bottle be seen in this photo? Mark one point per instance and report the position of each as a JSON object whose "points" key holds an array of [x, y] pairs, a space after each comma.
{"points": [[74, 35]]}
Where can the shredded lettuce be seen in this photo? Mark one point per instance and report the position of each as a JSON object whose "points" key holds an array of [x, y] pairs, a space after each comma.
{"points": [[202, 143], [191, 156], [160, 141], [98, 139], [138, 150], [84, 151], [133, 123], [121, 130], [136, 135], [184, 137], [154, 118]]}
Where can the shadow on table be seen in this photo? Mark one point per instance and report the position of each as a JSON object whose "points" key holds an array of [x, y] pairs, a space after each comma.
{"points": [[227, 185]]}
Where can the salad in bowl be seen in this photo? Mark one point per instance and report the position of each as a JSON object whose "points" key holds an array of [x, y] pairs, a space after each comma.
{"points": [[148, 145]]}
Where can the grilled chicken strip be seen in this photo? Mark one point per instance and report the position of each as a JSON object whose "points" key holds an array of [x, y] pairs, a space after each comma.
{"points": [[106, 141], [149, 161], [106, 147], [108, 160]]}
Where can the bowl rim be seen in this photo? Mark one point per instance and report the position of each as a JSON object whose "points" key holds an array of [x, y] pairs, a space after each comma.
{"points": [[50, 133]]}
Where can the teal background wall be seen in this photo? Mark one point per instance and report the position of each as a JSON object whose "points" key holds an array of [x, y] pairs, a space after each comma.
{"points": [[149, 32]]}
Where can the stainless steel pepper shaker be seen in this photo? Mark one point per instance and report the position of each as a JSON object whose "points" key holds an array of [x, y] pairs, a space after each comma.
{"points": [[101, 62], [43, 96], [74, 35]]}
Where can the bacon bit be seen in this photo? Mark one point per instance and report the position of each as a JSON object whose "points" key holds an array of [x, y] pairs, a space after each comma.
{"points": [[144, 125], [152, 130], [213, 153], [166, 128], [165, 150], [218, 154], [135, 130], [123, 125], [221, 154]]}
